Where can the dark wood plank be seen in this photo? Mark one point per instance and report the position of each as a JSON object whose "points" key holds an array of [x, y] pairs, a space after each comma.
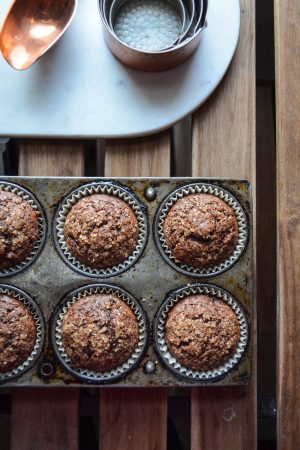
{"points": [[221, 418], [47, 419], [287, 38], [135, 419], [224, 146]]}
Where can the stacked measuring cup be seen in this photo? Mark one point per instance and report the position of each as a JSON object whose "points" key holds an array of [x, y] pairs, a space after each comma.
{"points": [[153, 35]]}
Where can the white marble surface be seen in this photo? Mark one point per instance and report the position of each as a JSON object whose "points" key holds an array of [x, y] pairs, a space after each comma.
{"points": [[78, 89]]}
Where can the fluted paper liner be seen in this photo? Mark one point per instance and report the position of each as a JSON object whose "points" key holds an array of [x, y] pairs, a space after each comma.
{"points": [[34, 310], [162, 348], [228, 198], [85, 191], [29, 198], [127, 366]]}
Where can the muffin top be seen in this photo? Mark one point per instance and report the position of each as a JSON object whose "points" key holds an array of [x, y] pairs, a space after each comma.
{"points": [[101, 231], [202, 332], [99, 332], [18, 229], [17, 333], [201, 230]]}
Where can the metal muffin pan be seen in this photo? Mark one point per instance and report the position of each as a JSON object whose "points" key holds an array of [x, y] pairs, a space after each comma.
{"points": [[49, 280]]}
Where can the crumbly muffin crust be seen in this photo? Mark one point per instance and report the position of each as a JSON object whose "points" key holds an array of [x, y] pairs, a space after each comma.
{"points": [[201, 230], [202, 332], [18, 229], [17, 333], [99, 332], [101, 231]]}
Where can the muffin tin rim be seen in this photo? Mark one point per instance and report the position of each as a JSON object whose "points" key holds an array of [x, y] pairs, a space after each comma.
{"points": [[205, 377], [31, 304], [32, 200], [98, 379], [142, 218], [160, 243], [58, 187]]}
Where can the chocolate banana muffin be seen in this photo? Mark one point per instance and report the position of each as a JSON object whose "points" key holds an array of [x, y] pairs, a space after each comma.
{"points": [[202, 332], [17, 333], [101, 231], [201, 230], [99, 332], [19, 229]]}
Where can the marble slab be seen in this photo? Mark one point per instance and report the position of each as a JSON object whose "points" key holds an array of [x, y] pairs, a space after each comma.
{"points": [[78, 89]]}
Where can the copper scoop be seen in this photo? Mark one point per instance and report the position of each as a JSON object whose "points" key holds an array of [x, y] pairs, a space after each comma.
{"points": [[31, 27]]}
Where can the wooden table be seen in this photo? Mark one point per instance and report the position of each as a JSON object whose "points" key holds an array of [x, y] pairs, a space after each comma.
{"points": [[223, 145]]}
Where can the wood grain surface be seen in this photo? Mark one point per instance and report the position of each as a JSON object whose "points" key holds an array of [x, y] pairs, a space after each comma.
{"points": [[287, 39], [53, 158], [224, 127], [224, 146], [47, 419], [143, 157], [135, 419], [223, 418]]}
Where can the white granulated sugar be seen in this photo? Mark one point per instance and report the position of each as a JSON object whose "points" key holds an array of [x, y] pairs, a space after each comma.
{"points": [[149, 25]]}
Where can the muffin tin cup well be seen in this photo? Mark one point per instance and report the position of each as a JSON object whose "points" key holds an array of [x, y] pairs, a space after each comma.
{"points": [[42, 228], [101, 187], [197, 188], [170, 361], [119, 372], [40, 332]]}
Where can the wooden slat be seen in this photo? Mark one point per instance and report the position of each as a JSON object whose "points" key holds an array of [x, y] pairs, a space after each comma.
{"points": [[47, 419], [58, 158], [287, 38], [135, 419], [224, 146], [149, 156], [223, 418], [224, 127]]}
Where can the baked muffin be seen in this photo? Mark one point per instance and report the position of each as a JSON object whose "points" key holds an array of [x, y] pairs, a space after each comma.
{"points": [[17, 333], [202, 332], [201, 230], [19, 229], [101, 231], [99, 332]]}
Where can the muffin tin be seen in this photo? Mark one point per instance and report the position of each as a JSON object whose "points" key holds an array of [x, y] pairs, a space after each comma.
{"points": [[148, 281]]}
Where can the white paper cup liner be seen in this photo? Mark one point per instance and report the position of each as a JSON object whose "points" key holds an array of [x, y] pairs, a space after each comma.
{"points": [[89, 375], [160, 339], [40, 331], [29, 198], [204, 188], [107, 188]]}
